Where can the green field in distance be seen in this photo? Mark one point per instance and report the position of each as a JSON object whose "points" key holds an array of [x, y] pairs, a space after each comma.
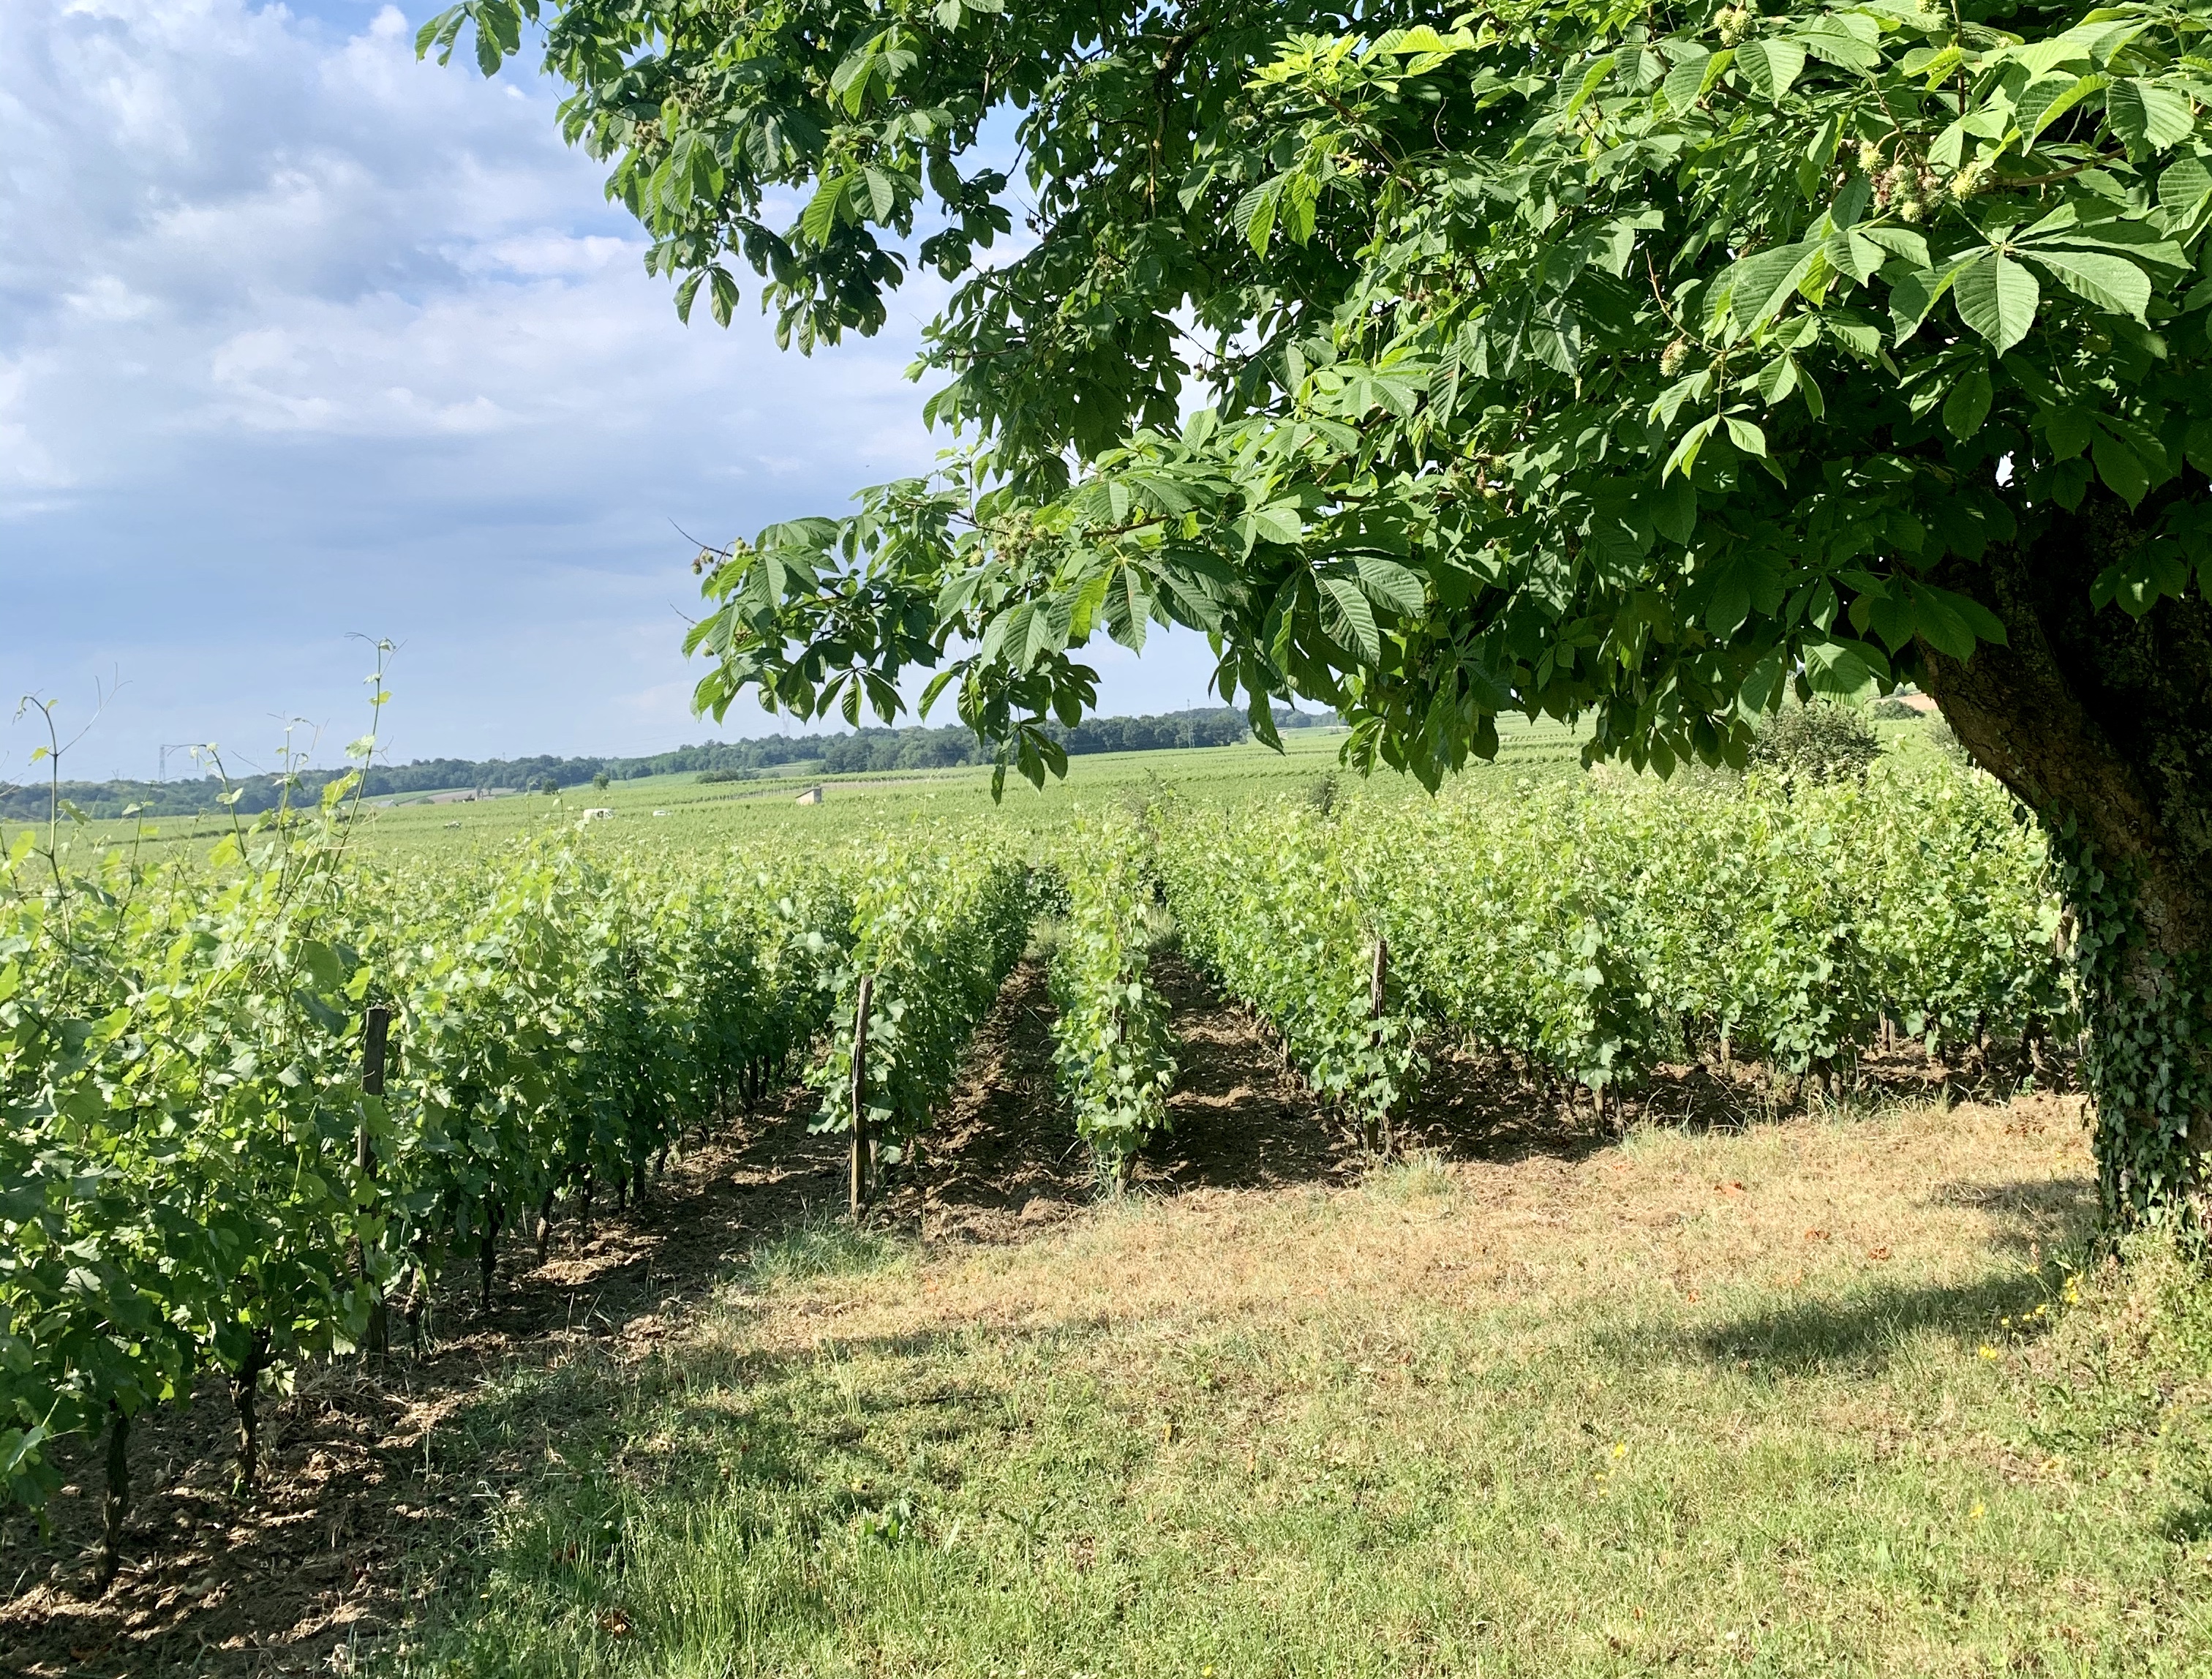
{"points": [[682, 810]]}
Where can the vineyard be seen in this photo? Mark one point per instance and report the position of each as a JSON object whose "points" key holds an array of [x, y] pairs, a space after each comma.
{"points": [[1590, 933], [256, 1108]]}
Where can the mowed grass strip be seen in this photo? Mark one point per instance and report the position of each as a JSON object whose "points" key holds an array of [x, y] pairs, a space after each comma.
{"points": [[1820, 1398]]}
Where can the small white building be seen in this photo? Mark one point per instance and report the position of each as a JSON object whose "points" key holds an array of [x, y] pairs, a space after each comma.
{"points": [[811, 796], [597, 813]]}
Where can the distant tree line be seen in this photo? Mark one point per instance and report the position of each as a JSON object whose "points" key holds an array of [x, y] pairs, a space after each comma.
{"points": [[933, 749], [834, 754]]}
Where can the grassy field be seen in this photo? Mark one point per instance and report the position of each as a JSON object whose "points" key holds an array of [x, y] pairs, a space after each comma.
{"points": [[682, 810], [1820, 1398]]}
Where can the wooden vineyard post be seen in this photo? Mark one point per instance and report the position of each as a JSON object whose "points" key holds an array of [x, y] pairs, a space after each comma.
{"points": [[860, 1171], [1377, 983], [375, 1030]]}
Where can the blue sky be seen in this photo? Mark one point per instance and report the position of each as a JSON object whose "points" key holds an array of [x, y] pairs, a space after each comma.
{"points": [[302, 338]]}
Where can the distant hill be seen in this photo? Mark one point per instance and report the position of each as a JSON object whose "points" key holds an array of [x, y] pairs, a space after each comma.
{"points": [[834, 754]]}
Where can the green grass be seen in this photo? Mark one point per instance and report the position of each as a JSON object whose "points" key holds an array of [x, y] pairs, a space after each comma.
{"points": [[1817, 1400], [682, 810]]}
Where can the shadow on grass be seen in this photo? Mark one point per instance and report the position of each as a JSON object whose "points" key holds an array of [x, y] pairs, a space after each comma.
{"points": [[2038, 1215], [1866, 1321], [1866, 1327], [2192, 1524], [694, 1476]]}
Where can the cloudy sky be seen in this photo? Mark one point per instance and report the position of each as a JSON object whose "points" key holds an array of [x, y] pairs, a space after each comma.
{"points": [[300, 339]]}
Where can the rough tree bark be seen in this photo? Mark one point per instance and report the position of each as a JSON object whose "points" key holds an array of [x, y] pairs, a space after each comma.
{"points": [[2101, 723]]}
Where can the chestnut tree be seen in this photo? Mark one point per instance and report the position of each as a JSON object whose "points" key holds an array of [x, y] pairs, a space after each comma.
{"points": [[1633, 363]]}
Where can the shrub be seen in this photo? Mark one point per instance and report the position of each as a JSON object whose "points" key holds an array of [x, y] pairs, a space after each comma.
{"points": [[1821, 742]]}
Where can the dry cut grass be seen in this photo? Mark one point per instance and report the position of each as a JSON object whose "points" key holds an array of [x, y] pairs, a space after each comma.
{"points": [[1819, 1398]]}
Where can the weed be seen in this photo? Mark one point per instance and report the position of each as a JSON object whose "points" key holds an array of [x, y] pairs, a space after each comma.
{"points": [[1419, 1176], [822, 1245]]}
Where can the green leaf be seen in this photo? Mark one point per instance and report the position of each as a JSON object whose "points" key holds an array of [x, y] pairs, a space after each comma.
{"points": [[1900, 242], [1853, 253], [1777, 379], [2197, 446], [2112, 284], [1675, 510], [1730, 604], [1980, 622], [1280, 521], [1844, 671], [725, 296], [2143, 578], [882, 195], [1997, 298], [1388, 581], [1832, 38], [1912, 295], [2144, 114], [2068, 431], [2185, 185], [1686, 453], [1129, 609], [1355, 627], [2120, 467], [1770, 65], [1255, 214], [1686, 80], [1747, 436], [1937, 622], [1591, 77], [1762, 284], [1967, 405], [1762, 686], [820, 215], [2050, 97]]}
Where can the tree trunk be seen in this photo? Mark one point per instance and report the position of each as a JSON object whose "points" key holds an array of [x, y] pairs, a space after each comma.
{"points": [[2101, 723]]}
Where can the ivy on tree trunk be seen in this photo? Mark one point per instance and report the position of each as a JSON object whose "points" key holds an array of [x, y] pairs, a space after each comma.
{"points": [[2101, 723]]}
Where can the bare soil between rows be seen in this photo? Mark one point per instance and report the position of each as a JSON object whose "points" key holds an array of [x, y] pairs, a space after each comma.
{"points": [[327, 1552]]}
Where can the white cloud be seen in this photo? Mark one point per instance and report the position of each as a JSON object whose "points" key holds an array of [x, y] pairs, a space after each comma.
{"points": [[108, 299], [299, 336], [546, 251]]}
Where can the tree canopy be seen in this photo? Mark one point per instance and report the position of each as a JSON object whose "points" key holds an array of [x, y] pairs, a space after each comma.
{"points": [[1567, 358]]}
